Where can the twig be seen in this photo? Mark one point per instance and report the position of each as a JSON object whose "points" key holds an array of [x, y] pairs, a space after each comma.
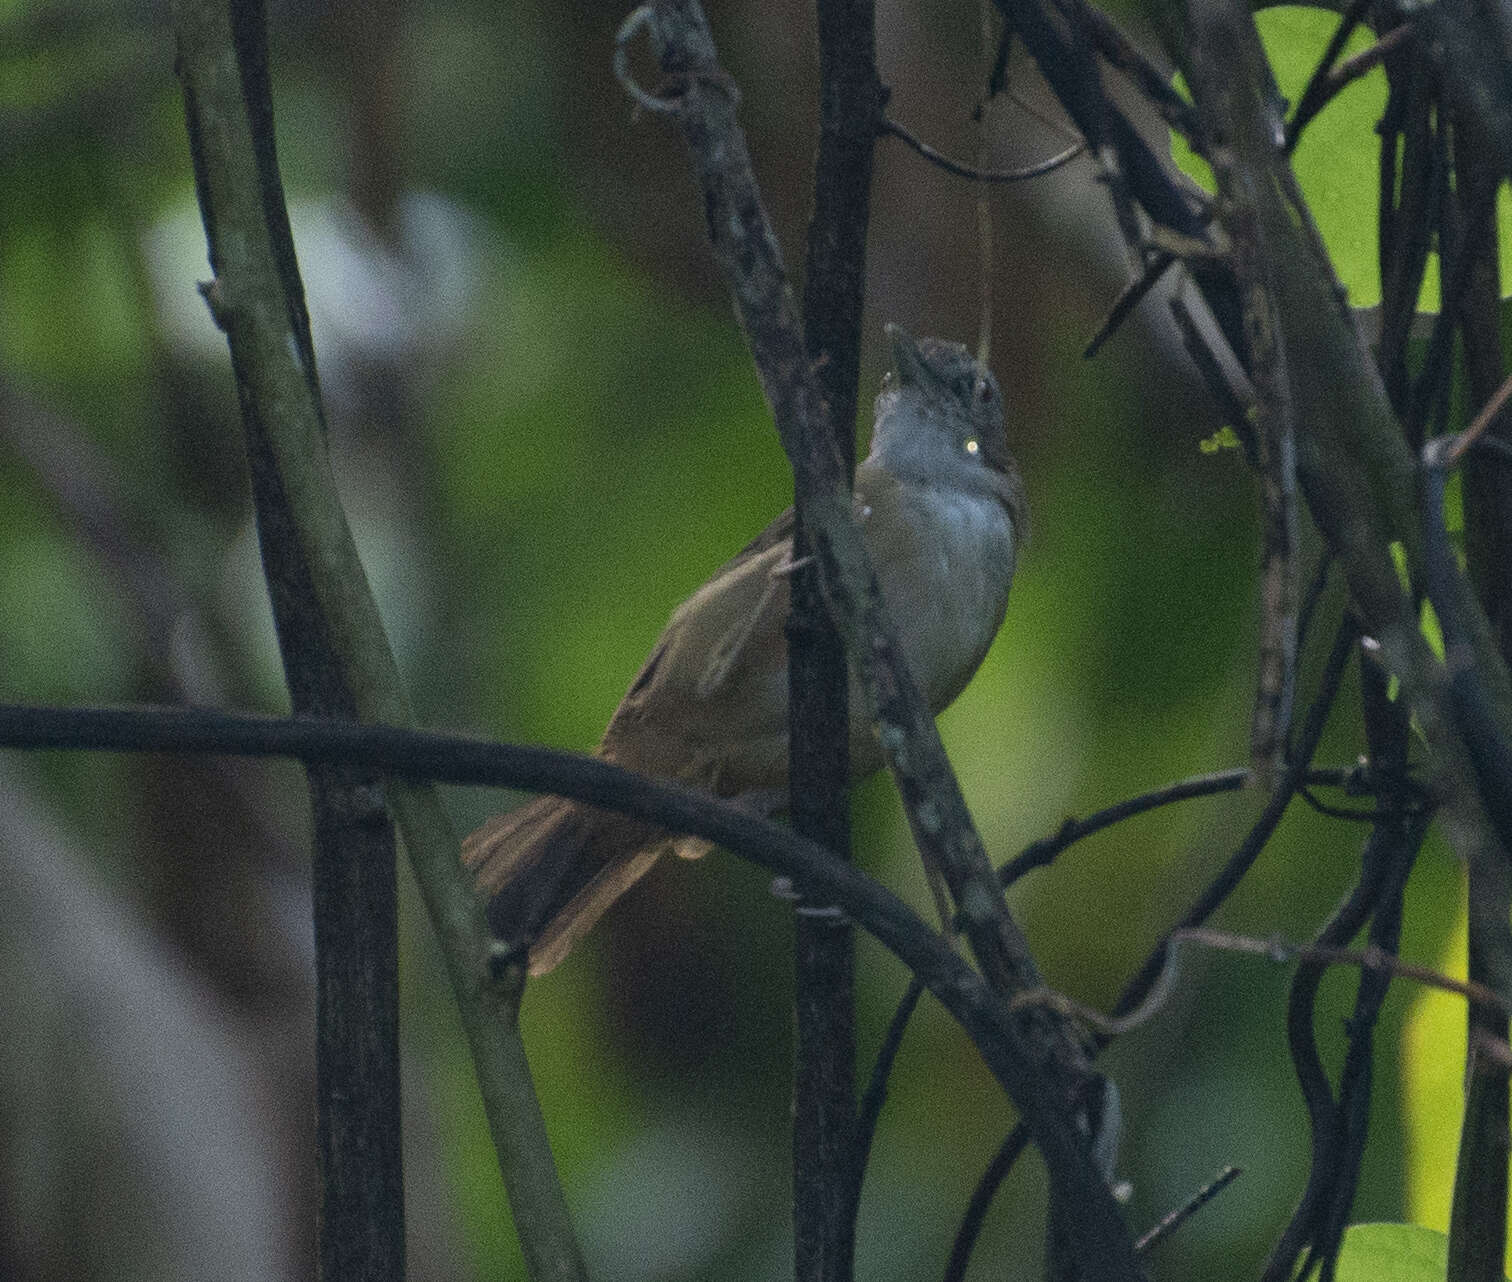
{"points": [[1345, 74], [1170, 1223], [1313, 96], [981, 1201], [1487, 415], [887, 125], [1232, 397], [1070, 67], [1153, 82], [876, 1089], [1132, 294], [1348, 815], [1376, 959], [1239, 863], [1039, 853], [1432, 384], [1313, 597]]}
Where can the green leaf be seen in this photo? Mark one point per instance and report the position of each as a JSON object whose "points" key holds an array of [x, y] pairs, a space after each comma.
{"points": [[1225, 438], [1392, 1253]]}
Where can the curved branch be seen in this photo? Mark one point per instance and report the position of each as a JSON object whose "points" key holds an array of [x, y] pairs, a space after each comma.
{"points": [[1040, 853], [1229, 876], [416, 754], [887, 125]]}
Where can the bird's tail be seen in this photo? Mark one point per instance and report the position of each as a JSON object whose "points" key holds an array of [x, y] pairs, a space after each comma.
{"points": [[552, 867]]}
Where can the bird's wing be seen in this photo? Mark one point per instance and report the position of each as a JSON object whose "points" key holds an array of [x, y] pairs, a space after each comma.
{"points": [[711, 678]]}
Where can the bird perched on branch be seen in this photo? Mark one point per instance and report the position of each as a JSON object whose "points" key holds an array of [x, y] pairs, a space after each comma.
{"points": [[941, 509]]}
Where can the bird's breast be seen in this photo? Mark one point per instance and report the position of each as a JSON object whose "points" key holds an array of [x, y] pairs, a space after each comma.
{"points": [[946, 559]]}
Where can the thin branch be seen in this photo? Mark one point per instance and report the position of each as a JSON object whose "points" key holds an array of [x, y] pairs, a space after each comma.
{"points": [[890, 127], [981, 1201], [1484, 419], [1239, 863], [1232, 396], [1316, 94], [1345, 813], [1040, 853], [876, 1089], [1153, 81], [1068, 62], [1170, 1223], [1281, 952], [1132, 294]]}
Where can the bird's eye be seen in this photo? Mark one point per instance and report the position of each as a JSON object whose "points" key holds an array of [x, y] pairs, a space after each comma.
{"points": [[983, 390], [972, 446]]}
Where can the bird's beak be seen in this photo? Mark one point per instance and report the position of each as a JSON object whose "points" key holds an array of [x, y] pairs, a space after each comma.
{"points": [[908, 361]]}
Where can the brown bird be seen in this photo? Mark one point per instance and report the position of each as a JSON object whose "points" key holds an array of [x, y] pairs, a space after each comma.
{"points": [[941, 509]]}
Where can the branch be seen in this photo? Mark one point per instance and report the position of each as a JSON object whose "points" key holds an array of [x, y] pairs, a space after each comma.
{"points": [[1040, 853], [819, 716], [876, 1088], [414, 754], [1371, 959], [223, 66], [892, 128], [1170, 1223], [698, 93], [981, 1201], [256, 298], [1240, 862]]}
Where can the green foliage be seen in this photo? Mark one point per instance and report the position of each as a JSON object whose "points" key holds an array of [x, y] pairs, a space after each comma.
{"points": [[1225, 438], [1392, 1253], [1334, 163]]}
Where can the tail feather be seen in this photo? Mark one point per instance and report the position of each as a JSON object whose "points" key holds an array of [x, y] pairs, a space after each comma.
{"points": [[552, 868]]}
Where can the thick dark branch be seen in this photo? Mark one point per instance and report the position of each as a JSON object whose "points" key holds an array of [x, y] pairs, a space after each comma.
{"points": [[699, 94], [227, 95], [412, 754], [328, 621], [824, 1105]]}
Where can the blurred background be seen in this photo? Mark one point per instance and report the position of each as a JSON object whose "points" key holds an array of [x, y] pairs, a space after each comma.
{"points": [[548, 433]]}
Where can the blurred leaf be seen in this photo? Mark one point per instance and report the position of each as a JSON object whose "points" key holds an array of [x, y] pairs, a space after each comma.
{"points": [[1392, 1253], [1225, 438]]}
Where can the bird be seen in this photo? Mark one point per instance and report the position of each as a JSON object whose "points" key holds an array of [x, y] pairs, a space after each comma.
{"points": [[942, 510]]}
